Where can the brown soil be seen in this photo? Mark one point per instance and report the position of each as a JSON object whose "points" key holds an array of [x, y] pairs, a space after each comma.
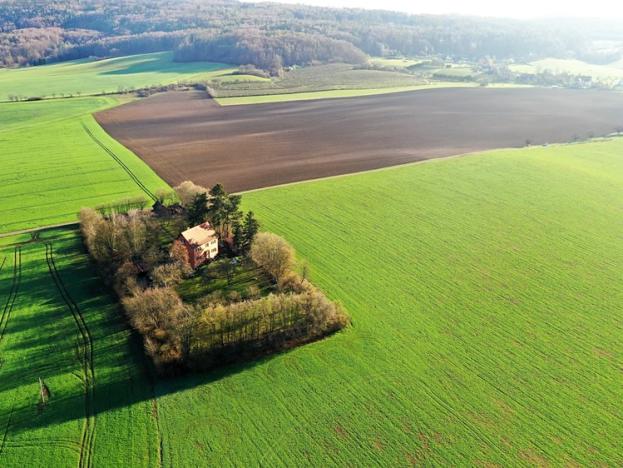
{"points": [[186, 135]]}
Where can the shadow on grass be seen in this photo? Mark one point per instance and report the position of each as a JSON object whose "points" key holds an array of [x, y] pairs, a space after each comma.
{"points": [[42, 341], [124, 390]]}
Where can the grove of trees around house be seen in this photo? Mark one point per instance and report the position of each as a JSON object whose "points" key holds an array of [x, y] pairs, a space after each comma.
{"points": [[138, 254]]}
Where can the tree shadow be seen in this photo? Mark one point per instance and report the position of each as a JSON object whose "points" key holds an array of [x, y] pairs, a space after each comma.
{"points": [[119, 392], [45, 343]]}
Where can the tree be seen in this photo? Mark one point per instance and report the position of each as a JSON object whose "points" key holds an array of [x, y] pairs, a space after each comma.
{"points": [[231, 213], [244, 233], [238, 237], [224, 210], [274, 254], [164, 195], [218, 206], [179, 255], [251, 228], [198, 209], [187, 191], [167, 275]]}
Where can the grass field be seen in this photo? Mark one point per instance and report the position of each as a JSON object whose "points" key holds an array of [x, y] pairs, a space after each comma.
{"points": [[88, 77], [58, 324], [212, 278], [486, 300], [52, 166], [574, 67], [395, 62]]}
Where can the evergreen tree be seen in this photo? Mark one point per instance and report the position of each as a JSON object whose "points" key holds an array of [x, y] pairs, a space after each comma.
{"points": [[251, 228], [198, 209], [239, 238]]}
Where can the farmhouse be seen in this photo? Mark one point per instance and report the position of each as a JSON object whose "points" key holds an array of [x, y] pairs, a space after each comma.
{"points": [[201, 242]]}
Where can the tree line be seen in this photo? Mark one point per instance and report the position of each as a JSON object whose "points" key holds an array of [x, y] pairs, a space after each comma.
{"points": [[38, 31], [267, 51]]}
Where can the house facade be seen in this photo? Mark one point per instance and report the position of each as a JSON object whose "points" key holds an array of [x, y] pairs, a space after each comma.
{"points": [[201, 242]]}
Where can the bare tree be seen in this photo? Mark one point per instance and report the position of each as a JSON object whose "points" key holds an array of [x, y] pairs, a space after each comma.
{"points": [[274, 254]]}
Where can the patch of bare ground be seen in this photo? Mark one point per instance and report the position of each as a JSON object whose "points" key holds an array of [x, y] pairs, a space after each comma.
{"points": [[186, 135]]}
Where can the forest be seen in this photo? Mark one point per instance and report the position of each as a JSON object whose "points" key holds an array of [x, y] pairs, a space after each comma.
{"points": [[267, 35]]}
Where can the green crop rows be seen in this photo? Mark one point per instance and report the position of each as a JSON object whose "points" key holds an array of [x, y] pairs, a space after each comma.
{"points": [[61, 326], [82, 77], [486, 300], [52, 163]]}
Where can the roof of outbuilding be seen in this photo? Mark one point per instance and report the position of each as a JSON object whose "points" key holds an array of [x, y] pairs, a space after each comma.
{"points": [[199, 235]]}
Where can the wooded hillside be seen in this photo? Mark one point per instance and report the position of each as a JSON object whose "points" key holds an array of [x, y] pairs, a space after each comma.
{"points": [[39, 31]]}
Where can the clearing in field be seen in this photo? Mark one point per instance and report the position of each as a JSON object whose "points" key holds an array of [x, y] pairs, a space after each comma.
{"points": [[74, 390], [185, 135], [55, 159], [89, 76], [486, 301]]}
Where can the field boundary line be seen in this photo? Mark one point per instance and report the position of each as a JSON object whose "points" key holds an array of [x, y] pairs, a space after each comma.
{"points": [[86, 349], [17, 277], [378, 169], [439, 159], [120, 162], [42, 228]]}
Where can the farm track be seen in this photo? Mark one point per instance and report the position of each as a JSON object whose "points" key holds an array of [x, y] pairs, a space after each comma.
{"points": [[6, 431], [6, 315], [120, 162], [37, 229], [86, 352], [17, 276]]}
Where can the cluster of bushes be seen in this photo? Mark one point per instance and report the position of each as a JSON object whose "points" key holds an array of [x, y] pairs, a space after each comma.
{"points": [[226, 333], [299, 313], [131, 257]]}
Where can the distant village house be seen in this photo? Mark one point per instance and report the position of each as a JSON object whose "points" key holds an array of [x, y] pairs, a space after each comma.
{"points": [[201, 242]]}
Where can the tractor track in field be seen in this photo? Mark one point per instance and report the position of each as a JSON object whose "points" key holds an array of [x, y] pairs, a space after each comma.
{"points": [[6, 431], [4, 320], [17, 277], [120, 162], [86, 357]]}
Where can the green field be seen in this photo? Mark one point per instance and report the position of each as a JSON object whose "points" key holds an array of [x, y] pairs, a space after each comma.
{"points": [[88, 76], [52, 167], [59, 325], [486, 303], [486, 300], [395, 62], [574, 67]]}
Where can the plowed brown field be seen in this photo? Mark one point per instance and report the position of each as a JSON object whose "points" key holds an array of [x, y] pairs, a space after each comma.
{"points": [[186, 135]]}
